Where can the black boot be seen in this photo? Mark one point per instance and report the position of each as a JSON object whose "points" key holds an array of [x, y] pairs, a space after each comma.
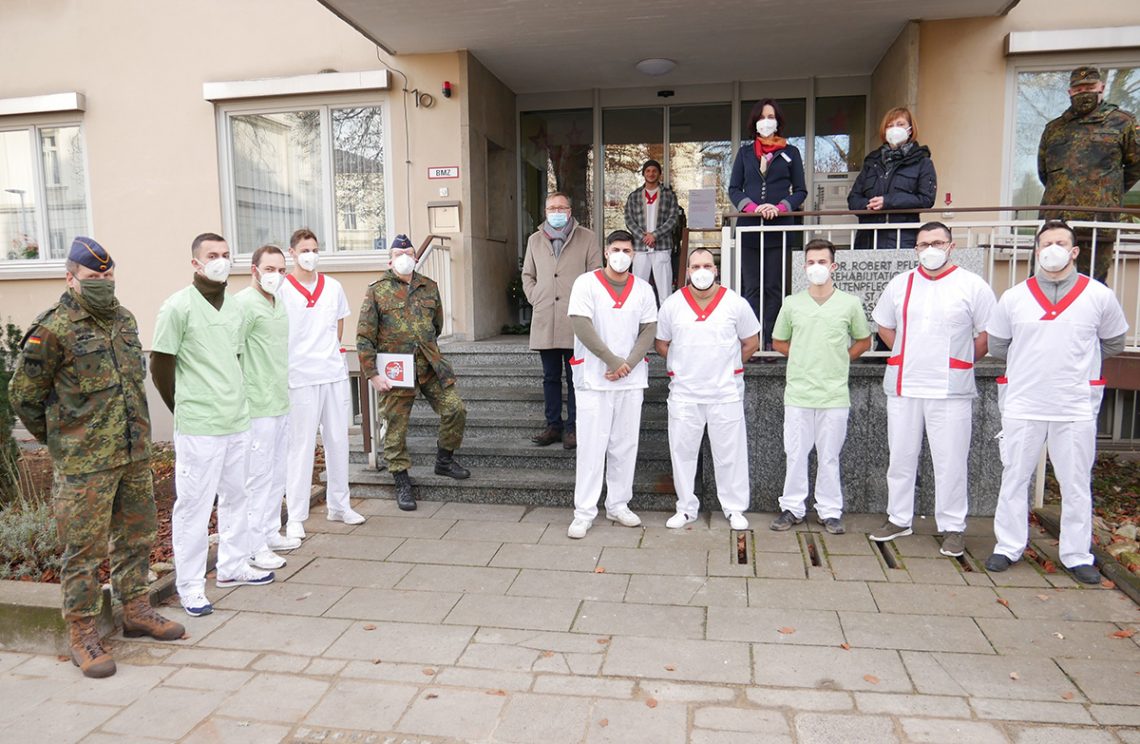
{"points": [[445, 464], [404, 498]]}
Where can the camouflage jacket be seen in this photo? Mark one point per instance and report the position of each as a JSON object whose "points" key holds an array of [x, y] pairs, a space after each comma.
{"points": [[1090, 161], [402, 318], [78, 387]]}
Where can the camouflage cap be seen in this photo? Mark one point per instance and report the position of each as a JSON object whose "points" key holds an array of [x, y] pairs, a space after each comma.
{"points": [[87, 252], [1084, 74]]}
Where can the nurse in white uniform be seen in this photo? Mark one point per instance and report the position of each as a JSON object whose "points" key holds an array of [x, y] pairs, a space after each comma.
{"points": [[319, 393], [933, 318], [614, 317], [1053, 330], [705, 333]]}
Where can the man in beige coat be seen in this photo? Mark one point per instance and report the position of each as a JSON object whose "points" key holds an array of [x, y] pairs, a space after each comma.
{"points": [[556, 254]]}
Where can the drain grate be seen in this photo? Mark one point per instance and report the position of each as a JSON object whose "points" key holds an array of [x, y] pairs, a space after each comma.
{"points": [[888, 552], [813, 551], [742, 548], [964, 562]]}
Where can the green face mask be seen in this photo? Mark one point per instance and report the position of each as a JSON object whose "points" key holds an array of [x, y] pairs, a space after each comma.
{"points": [[99, 294], [1084, 103]]}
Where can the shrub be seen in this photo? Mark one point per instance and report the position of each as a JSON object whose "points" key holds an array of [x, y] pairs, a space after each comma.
{"points": [[9, 455], [29, 545]]}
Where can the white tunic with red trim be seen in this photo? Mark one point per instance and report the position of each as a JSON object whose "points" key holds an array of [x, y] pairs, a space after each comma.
{"points": [[315, 356], [1053, 364], [704, 345], [617, 319], [935, 321]]}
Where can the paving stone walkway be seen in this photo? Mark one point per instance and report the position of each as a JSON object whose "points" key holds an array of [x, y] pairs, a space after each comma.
{"points": [[481, 623]]}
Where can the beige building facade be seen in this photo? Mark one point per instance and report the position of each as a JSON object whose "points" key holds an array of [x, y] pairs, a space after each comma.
{"points": [[144, 124]]}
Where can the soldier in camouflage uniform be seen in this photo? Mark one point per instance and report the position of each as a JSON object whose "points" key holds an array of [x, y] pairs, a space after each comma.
{"points": [[78, 388], [1088, 157], [402, 314]]}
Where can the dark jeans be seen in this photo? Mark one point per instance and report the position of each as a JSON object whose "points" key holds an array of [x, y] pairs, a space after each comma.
{"points": [[553, 362], [771, 294]]}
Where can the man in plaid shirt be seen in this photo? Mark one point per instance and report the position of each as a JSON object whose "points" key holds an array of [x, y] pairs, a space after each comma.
{"points": [[651, 214]]}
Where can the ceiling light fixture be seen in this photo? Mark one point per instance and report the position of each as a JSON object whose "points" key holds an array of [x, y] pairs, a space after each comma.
{"points": [[656, 66]]}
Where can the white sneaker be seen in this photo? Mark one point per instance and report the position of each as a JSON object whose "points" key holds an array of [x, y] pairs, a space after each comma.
{"points": [[196, 605], [348, 516], [737, 521], [278, 542], [267, 560], [295, 530], [246, 576], [623, 516], [578, 528], [679, 520]]}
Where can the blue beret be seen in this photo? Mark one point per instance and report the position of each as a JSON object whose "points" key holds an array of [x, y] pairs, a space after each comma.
{"points": [[87, 252], [401, 242]]}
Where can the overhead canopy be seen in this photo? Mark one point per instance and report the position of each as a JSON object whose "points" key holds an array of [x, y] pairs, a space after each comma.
{"points": [[550, 45]]}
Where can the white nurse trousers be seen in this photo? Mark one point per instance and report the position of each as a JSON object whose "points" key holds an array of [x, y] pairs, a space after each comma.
{"points": [[660, 265], [204, 466], [824, 429], [1072, 447], [948, 423], [609, 424], [265, 477], [327, 406], [728, 438]]}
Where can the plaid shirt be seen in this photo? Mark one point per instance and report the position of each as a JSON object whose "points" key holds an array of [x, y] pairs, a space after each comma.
{"points": [[667, 215]]}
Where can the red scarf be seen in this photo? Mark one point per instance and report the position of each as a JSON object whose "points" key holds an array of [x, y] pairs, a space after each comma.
{"points": [[764, 145]]}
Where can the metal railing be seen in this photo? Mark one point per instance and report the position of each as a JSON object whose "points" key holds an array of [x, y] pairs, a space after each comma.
{"points": [[433, 260], [1006, 246]]}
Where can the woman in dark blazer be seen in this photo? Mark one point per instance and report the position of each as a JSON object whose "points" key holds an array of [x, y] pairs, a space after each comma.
{"points": [[768, 181], [899, 175]]}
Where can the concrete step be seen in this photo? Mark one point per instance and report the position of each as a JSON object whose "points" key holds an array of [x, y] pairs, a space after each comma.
{"points": [[506, 486], [525, 403], [424, 423], [524, 377], [652, 455]]}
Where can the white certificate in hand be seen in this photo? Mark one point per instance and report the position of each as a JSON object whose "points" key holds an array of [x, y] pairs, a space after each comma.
{"points": [[399, 369]]}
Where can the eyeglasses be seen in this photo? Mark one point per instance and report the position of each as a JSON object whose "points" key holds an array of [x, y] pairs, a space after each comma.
{"points": [[558, 209], [939, 244]]}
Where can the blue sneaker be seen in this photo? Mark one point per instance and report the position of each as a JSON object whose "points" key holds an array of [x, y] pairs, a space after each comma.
{"points": [[196, 605], [247, 576]]}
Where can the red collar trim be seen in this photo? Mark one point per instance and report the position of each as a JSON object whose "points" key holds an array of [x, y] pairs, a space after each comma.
{"points": [[619, 300], [651, 198], [948, 272], [1051, 310], [703, 314], [310, 298]]}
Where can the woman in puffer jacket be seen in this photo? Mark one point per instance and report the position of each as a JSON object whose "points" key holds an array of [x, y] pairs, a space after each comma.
{"points": [[899, 175]]}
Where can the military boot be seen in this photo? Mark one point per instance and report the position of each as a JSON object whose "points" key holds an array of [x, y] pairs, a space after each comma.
{"points": [[445, 464], [87, 650], [404, 498], [140, 619]]}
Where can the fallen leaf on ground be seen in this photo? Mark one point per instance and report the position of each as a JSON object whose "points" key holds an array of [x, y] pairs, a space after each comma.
{"points": [[1108, 584], [651, 702], [306, 595], [1050, 567], [1003, 602], [375, 661], [61, 657], [670, 668], [1014, 676], [429, 671], [604, 722], [1067, 696], [871, 678], [498, 693], [1059, 636], [1043, 597], [785, 630], [370, 627], [431, 696], [603, 641], [845, 646], [546, 654], [599, 569], [1124, 633]]}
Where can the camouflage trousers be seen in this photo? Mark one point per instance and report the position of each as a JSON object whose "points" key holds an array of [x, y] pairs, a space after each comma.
{"points": [[396, 406], [96, 513], [1105, 242]]}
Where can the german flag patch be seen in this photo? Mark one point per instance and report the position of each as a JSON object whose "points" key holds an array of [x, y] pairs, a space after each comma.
{"points": [[34, 341]]}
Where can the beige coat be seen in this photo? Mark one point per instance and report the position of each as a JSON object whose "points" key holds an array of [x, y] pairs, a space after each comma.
{"points": [[547, 284]]}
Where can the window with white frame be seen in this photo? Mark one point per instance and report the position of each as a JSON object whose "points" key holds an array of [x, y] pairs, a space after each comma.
{"points": [[43, 191], [321, 167], [1041, 95]]}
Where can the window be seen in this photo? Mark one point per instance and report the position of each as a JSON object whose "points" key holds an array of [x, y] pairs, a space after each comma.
{"points": [[43, 192], [557, 155], [301, 168], [1042, 95]]}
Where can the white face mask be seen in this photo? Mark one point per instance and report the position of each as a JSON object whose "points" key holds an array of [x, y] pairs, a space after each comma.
{"points": [[766, 127], [619, 261], [403, 264], [897, 135], [702, 278], [217, 270], [269, 282], [1054, 257], [932, 259], [308, 261], [818, 274]]}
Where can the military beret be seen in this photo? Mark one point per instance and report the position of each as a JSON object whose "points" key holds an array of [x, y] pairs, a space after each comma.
{"points": [[1084, 74], [401, 242], [652, 162], [87, 252]]}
